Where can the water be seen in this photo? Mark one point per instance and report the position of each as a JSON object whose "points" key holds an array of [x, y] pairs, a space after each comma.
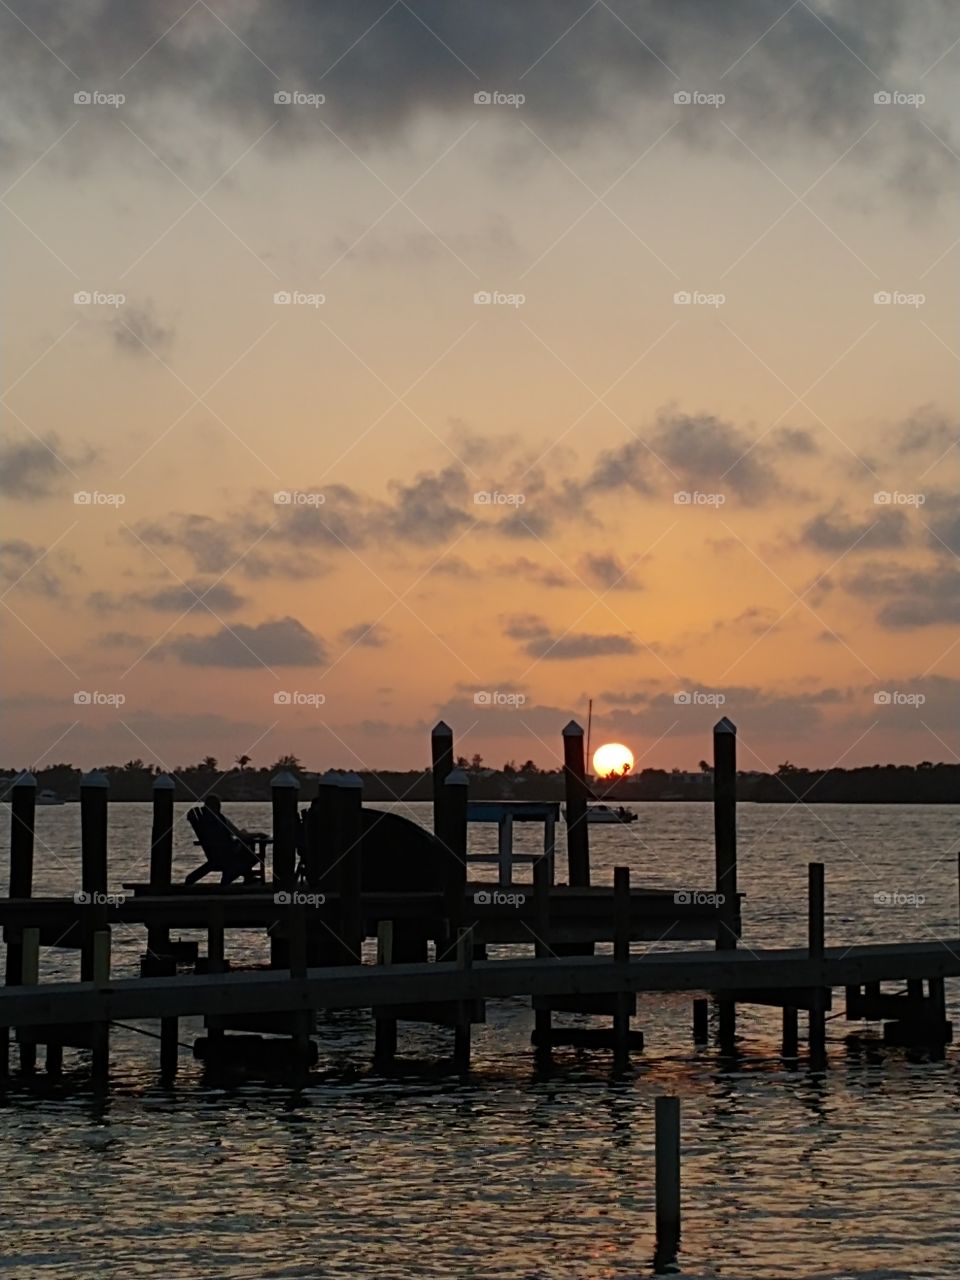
{"points": [[786, 1175]]}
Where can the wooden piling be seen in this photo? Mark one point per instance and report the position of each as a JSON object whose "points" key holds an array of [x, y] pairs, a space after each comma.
{"points": [[701, 1021], [452, 834], [94, 791], [791, 1037], [667, 1160], [441, 763], [462, 1029], [350, 868], [621, 955], [542, 1018], [23, 800], [816, 903], [169, 1049], [385, 1033], [284, 789], [29, 976], [100, 1039], [161, 853], [725, 856], [575, 784]]}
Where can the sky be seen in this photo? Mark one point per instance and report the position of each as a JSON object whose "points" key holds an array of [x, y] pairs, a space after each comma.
{"points": [[367, 364]]}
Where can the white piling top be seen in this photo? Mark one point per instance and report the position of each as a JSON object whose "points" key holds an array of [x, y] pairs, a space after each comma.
{"points": [[573, 730], [163, 782], [95, 778], [284, 779], [456, 778], [351, 780], [441, 730], [724, 726], [25, 779]]}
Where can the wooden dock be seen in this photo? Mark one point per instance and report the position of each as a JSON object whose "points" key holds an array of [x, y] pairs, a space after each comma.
{"points": [[318, 916]]}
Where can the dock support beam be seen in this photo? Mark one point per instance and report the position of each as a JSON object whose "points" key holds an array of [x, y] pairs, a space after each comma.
{"points": [[817, 1036], [791, 1037], [701, 1022], [161, 854], [350, 833], [542, 1018], [452, 834], [441, 757], [23, 801], [725, 848], [385, 1042], [667, 1128], [284, 789], [621, 956]]}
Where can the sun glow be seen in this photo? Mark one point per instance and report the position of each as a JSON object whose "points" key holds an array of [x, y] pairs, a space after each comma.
{"points": [[612, 760]]}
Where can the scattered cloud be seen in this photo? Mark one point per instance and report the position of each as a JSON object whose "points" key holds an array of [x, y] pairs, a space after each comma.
{"points": [[281, 643]]}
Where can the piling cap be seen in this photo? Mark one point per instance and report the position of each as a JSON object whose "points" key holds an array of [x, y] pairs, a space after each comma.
{"points": [[284, 779], [329, 779], [163, 782], [441, 730], [573, 730], [725, 726], [456, 778], [351, 780], [25, 779], [95, 778]]}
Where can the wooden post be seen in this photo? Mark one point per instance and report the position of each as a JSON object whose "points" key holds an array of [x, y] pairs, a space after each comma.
{"points": [[101, 1030], [621, 955], [169, 1049], [461, 1032], [725, 853], [542, 1018], [94, 791], [575, 782], [815, 942], [161, 853], [452, 834], [550, 845], [216, 963], [505, 849], [667, 1128], [441, 757], [28, 975], [791, 1038], [701, 1021], [350, 869], [385, 1042], [23, 799], [322, 820], [283, 790]]}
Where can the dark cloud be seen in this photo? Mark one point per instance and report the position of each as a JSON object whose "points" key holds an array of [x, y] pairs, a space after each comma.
{"points": [[806, 78], [281, 643], [926, 431], [25, 566], [137, 330], [218, 597], [540, 642], [369, 635], [605, 570], [34, 468], [837, 531], [912, 597]]}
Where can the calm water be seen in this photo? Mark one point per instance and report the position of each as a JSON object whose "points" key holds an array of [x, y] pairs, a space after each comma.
{"points": [[851, 1174]]}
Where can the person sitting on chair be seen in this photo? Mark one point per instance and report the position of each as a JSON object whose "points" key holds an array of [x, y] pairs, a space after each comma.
{"points": [[226, 847]]}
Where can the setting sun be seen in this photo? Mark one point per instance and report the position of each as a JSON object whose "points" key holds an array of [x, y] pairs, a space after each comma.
{"points": [[612, 759]]}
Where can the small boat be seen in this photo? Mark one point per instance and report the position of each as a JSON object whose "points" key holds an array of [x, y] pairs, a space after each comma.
{"points": [[601, 813], [49, 797]]}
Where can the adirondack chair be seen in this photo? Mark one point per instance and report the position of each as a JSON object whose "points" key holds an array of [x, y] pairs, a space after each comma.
{"points": [[224, 846]]}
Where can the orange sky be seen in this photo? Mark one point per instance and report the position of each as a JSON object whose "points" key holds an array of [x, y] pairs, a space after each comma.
{"points": [[785, 398]]}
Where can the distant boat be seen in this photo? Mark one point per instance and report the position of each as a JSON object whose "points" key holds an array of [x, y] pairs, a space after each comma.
{"points": [[49, 797], [601, 813]]}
